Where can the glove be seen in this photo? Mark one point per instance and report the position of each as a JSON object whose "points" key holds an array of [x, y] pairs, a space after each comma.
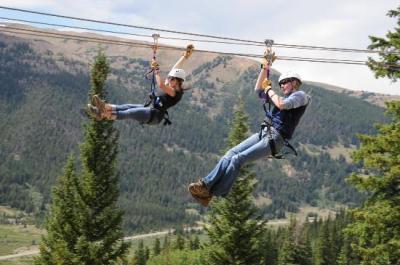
{"points": [[269, 58], [154, 65], [189, 51], [266, 84]]}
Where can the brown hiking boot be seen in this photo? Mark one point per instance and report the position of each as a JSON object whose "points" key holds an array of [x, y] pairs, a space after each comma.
{"points": [[200, 192], [199, 188], [94, 112], [203, 200], [99, 104]]}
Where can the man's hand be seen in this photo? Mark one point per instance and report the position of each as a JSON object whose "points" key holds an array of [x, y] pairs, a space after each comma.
{"points": [[266, 84]]}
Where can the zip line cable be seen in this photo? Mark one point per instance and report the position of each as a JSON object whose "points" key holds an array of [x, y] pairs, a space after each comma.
{"points": [[121, 24], [138, 44], [127, 33], [144, 45], [309, 47], [137, 35]]}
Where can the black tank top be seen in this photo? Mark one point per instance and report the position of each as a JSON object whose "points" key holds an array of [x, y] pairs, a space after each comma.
{"points": [[165, 101]]}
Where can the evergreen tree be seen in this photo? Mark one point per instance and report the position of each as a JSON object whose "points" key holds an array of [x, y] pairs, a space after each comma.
{"points": [[269, 248], [166, 244], [389, 48], [85, 222], [157, 247], [287, 253], [140, 255], [194, 243], [323, 246], [375, 233], [179, 242], [295, 249], [346, 255], [58, 246], [235, 226]]}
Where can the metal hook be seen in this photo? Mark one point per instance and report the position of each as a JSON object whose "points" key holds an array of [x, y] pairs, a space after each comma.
{"points": [[269, 55], [155, 40]]}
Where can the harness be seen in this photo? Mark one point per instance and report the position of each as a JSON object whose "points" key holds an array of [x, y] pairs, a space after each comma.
{"points": [[154, 100], [267, 123], [269, 57]]}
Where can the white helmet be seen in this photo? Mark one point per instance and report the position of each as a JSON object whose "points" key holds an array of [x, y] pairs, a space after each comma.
{"points": [[178, 73], [289, 75]]}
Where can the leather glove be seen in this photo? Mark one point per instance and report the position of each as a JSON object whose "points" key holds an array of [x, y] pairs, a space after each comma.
{"points": [[189, 51]]}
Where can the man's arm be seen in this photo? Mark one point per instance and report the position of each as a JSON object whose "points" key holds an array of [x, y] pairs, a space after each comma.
{"points": [[275, 98]]}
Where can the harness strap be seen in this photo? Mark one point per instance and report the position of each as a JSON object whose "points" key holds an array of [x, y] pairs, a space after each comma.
{"points": [[164, 113], [267, 123]]}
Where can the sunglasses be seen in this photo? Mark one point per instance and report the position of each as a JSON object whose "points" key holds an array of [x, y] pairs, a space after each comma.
{"points": [[170, 78], [284, 81]]}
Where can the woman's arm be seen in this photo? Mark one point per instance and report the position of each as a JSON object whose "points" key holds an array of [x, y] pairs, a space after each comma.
{"points": [[164, 86], [186, 54]]}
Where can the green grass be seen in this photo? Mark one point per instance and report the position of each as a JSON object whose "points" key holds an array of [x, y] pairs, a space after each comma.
{"points": [[18, 261], [13, 237]]}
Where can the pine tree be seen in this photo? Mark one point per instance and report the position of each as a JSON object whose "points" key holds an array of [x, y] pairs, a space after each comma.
{"points": [[179, 242], [295, 249], [140, 255], [157, 247], [166, 244], [287, 253], [375, 233], [323, 247], [235, 226], [389, 48], [194, 243], [85, 223], [269, 247], [58, 246]]}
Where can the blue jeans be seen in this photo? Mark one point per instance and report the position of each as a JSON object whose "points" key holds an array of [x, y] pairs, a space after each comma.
{"points": [[132, 111], [222, 177]]}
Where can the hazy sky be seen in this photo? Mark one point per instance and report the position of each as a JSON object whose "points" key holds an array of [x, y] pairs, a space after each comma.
{"points": [[339, 23]]}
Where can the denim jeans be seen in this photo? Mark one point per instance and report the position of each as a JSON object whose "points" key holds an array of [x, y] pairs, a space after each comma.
{"points": [[222, 177], [132, 111]]}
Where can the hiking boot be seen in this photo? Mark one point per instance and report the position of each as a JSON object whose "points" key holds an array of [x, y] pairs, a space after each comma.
{"points": [[99, 103], [93, 112], [199, 189], [202, 200]]}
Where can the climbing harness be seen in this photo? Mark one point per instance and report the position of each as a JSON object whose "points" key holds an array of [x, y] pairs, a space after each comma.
{"points": [[154, 100], [269, 58]]}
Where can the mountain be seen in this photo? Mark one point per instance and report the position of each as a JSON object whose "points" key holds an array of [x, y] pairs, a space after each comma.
{"points": [[45, 81]]}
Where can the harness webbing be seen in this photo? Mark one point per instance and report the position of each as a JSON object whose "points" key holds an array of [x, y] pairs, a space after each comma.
{"points": [[154, 100], [267, 123]]}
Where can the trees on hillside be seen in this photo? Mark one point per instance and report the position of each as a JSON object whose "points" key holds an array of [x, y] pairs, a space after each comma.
{"points": [[84, 226]]}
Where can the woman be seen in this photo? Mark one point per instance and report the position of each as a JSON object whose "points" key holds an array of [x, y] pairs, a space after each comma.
{"points": [[283, 120], [171, 93]]}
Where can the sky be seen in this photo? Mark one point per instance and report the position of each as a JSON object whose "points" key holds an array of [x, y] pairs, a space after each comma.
{"points": [[339, 23]]}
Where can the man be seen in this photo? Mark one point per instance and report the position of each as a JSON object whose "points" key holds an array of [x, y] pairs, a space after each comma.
{"points": [[281, 123]]}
